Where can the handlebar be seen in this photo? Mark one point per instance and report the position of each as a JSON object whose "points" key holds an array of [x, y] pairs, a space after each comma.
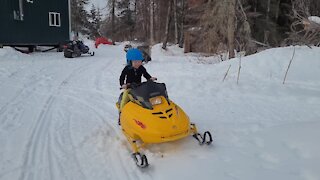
{"points": [[135, 85]]}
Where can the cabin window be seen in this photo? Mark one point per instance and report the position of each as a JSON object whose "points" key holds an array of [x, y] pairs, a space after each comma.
{"points": [[17, 15], [54, 19]]}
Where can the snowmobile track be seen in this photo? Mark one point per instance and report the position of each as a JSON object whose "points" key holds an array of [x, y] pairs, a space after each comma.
{"points": [[39, 141]]}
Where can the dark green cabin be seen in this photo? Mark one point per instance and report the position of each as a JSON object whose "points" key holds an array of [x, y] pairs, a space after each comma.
{"points": [[34, 22]]}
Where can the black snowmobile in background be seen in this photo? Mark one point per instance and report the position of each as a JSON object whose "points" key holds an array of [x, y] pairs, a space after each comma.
{"points": [[74, 49]]}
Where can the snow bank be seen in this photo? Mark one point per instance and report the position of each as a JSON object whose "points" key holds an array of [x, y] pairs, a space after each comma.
{"points": [[176, 53], [261, 127], [272, 64]]}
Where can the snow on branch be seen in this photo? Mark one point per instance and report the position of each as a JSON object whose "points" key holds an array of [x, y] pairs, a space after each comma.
{"points": [[314, 19]]}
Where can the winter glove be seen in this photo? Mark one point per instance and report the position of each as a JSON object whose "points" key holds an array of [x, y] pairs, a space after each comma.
{"points": [[153, 78], [124, 86]]}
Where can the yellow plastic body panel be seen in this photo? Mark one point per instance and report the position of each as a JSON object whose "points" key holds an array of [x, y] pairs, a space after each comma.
{"points": [[166, 122]]}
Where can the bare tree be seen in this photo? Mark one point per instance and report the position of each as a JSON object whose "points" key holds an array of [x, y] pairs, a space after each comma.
{"points": [[266, 32], [231, 27], [113, 20], [303, 30], [164, 45], [214, 26], [151, 22], [176, 40], [182, 24]]}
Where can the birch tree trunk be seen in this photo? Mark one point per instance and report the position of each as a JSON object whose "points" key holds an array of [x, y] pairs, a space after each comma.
{"points": [[151, 22], [231, 27], [176, 40], [266, 32], [182, 25], [164, 45], [113, 20], [277, 10], [135, 17]]}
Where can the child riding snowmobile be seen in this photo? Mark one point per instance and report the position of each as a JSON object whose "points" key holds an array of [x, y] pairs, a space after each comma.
{"points": [[151, 117], [147, 115]]}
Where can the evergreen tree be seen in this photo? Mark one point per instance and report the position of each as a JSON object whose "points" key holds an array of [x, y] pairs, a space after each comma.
{"points": [[79, 16], [95, 20], [126, 21]]}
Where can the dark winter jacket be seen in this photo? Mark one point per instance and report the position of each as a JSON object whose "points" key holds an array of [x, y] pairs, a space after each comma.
{"points": [[131, 74]]}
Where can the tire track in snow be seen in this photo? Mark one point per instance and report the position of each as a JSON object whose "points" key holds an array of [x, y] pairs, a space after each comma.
{"points": [[38, 136], [16, 103], [112, 155], [17, 71], [99, 77], [42, 157], [11, 113], [30, 159], [127, 171], [106, 70], [110, 129]]}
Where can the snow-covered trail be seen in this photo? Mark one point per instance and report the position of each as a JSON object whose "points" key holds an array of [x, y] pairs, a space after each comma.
{"points": [[58, 118], [52, 108]]}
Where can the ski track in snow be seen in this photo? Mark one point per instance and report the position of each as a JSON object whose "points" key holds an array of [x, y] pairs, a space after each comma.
{"points": [[40, 140], [49, 155], [21, 95]]}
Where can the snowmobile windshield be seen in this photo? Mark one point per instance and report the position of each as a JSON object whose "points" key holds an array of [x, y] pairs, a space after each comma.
{"points": [[148, 90]]}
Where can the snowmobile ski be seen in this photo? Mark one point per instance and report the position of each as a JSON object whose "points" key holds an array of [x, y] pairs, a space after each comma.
{"points": [[140, 159], [206, 138]]}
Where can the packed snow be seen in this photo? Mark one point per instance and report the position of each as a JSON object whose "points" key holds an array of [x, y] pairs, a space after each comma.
{"points": [[58, 118]]}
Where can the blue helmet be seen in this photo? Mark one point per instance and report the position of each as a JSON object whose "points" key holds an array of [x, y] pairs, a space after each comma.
{"points": [[134, 54]]}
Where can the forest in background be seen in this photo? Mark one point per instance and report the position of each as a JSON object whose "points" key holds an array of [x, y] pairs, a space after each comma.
{"points": [[207, 26]]}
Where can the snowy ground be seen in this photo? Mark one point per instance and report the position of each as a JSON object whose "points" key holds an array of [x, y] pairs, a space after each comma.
{"points": [[58, 119]]}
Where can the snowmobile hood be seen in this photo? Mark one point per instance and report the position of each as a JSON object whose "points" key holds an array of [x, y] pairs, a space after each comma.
{"points": [[164, 123]]}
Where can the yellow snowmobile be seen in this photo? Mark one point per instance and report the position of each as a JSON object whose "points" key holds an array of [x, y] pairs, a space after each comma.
{"points": [[150, 117]]}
